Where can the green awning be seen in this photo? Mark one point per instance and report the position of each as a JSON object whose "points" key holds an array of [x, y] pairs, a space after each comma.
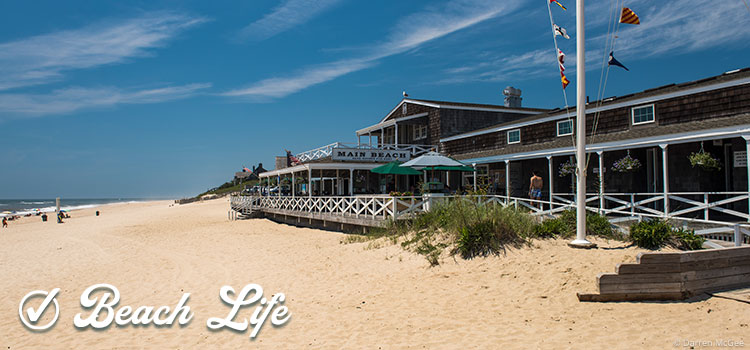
{"points": [[393, 168]]}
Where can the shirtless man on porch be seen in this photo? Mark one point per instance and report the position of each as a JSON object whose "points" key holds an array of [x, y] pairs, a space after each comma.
{"points": [[535, 186]]}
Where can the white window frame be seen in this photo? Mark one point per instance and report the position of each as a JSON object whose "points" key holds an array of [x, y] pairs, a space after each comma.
{"points": [[632, 114], [572, 127], [507, 136], [420, 132]]}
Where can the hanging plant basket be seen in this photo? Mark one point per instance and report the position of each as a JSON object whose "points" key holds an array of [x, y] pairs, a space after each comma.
{"points": [[704, 160], [567, 168], [626, 164]]}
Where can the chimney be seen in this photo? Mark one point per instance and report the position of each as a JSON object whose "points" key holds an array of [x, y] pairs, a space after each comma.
{"points": [[512, 97]]}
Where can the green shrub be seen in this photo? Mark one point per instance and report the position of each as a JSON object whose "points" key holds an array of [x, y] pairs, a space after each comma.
{"points": [[650, 234], [552, 228], [656, 233], [686, 239], [565, 226]]}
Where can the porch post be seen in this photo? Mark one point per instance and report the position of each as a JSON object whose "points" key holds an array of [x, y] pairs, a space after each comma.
{"points": [[279, 185], [369, 137], [396, 135], [474, 165], [747, 167], [351, 182], [309, 182], [381, 139], [665, 177], [549, 167], [294, 189], [601, 181], [507, 182], [359, 139]]}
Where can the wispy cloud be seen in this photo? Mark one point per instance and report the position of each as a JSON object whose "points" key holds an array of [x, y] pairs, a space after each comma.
{"points": [[44, 58], [667, 28], [409, 33], [64, 101], [284, 17]]}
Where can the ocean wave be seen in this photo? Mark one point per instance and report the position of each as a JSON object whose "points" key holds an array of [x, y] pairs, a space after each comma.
{"points": [[42, 202]]}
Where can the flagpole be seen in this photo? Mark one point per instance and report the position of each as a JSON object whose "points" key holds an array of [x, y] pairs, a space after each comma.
{"points": [[580, 241]]}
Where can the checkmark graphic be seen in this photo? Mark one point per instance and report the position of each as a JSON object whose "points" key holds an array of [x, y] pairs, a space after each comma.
{"points": [[35, 314]]}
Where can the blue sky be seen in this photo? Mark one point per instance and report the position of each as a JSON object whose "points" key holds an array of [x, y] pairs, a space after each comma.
{"points": [[169, 98]]}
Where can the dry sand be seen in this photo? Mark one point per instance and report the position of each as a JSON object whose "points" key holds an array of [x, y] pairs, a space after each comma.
{"points": [[340, 295]]}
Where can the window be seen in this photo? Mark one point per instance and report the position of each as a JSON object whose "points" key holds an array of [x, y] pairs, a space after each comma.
{"points": [[564, 128], [643, 114], [420, 132], [514, 136]]}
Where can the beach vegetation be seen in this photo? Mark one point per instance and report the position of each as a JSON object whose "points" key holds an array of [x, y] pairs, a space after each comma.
{"points": [[564, 226], [657, 233]]}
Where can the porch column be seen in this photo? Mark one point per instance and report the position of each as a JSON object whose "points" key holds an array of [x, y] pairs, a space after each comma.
{"points": [[396, 134], [507, 182], [474, 165], [309, 182], [601, 181], [381, 139], [338, 183], [359, 139], [351, 182], [278, 177], [747, 167], [665, 177], [549, 170], [369, 137], [322, 184], [294, 188]]}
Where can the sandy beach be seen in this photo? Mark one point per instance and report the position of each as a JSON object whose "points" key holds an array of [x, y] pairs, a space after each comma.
{"points": [[359, 295]]}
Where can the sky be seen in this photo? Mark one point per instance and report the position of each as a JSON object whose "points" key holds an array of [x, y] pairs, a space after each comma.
{"points": [[165, 99]]}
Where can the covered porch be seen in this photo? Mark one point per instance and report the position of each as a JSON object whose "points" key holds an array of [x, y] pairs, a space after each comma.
{"points": [[665, 184]]}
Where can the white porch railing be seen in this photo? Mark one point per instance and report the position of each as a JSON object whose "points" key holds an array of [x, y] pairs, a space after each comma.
{"points": [[679, 205], [327, 150], [617, 205]]}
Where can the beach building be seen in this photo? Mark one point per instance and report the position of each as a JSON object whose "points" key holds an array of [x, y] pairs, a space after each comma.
{"points": [[679, 151], [413, 127], [643, 143]]}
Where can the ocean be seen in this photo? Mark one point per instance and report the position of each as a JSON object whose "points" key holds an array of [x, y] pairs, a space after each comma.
{"points": [[26, 206]]}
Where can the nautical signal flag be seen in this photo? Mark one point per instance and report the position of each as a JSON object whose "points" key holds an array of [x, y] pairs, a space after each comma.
{"points": [[561, 59], [564, 80], [558, 4], [613, 62], [561, 31], [628, 16]]}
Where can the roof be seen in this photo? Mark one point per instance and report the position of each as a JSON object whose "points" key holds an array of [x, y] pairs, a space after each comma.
{"points": [[737, 120], [731, 78], [464, 105]]}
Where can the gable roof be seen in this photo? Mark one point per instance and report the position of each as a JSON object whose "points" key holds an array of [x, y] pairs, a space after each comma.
{"points": [[464, 106]]}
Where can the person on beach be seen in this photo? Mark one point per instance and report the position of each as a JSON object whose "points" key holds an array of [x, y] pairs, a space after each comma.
{"points": [[5, 222], [535, 186]]}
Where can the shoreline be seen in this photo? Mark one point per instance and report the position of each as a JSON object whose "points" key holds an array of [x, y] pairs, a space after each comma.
{"points": [[70, 208]]}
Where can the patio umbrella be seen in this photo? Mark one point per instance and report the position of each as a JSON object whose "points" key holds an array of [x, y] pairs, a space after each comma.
{"points": [[432, 159], [394, 168], [451, 168]]}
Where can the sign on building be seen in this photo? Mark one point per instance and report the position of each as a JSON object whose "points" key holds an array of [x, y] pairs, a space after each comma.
{"points": [[369, 155], [740, 159]]}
